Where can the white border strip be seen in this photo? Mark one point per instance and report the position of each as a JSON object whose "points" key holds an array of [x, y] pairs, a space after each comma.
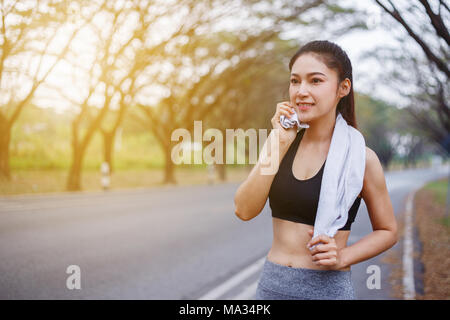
{"points": [[409, 291], [233, 281]]}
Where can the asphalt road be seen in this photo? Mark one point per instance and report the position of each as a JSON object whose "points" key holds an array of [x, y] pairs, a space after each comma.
{"points": [[166, 243]]}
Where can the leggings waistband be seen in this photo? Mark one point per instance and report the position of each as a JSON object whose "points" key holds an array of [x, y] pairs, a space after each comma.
{"points": [[306, 283]]}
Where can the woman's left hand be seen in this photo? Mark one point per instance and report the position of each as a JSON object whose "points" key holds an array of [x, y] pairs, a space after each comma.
{"points": [[325, 253]]}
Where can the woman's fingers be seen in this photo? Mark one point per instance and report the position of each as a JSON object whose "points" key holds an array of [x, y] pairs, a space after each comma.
{"points": [[322, 248], [325, 251], [324, 256], [286, 135], [285, 106], [288, 108], [321, 238], [327, 262], [285, 110]]}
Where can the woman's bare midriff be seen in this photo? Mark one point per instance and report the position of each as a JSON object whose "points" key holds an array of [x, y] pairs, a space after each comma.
{"points": [[289, 245]]}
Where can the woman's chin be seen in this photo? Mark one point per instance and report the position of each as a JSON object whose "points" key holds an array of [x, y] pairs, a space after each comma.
{"points": [[304, 119]]}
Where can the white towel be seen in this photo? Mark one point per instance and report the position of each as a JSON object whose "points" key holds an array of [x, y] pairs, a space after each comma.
{"points": [[289, 123], [342, 179], [343, 175]]}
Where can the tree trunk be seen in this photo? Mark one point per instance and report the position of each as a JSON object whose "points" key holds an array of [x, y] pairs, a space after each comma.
{"points": [[5, 138], [74, 179], [108, 145], [169, 168], [222, 172]]}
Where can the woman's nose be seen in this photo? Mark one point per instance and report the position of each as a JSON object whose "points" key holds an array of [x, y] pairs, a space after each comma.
{"points": [[302, 90]]}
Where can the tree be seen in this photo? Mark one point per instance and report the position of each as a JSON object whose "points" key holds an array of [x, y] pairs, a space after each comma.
{"points": [[112, 74], [378, 123], [188, 100], [430, 95], [28, 34], [250, 102]]}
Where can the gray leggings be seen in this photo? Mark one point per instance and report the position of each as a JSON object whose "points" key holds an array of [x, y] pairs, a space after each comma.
{"points": [[278, 282]]}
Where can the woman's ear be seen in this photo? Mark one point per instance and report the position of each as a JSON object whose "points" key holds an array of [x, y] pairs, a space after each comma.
{"points": [[345, 87]]}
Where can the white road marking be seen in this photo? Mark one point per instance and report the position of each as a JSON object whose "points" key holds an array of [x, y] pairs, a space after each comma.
{"points": [[409, 291], [233, 281]]}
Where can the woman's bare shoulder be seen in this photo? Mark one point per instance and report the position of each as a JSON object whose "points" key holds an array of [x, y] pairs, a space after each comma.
{"points": [[373, 174], [373, 164]]}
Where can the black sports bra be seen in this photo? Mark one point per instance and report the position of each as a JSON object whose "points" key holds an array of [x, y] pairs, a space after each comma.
{"points": [[297, 200]]}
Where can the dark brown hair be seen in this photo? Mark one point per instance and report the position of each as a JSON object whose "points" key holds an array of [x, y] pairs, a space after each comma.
{"points": [[334, 58]]}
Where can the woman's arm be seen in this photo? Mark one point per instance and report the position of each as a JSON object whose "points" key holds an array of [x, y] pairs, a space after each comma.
{"points": [[381, 213], [251, 196]]}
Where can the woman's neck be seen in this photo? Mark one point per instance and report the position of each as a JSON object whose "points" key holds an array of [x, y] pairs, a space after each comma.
{"points": [[320, 130]]}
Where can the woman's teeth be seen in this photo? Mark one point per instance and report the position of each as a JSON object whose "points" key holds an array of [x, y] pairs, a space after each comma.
{"points": [[304, 106]]}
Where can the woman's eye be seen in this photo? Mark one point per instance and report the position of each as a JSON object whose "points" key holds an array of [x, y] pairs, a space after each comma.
{"points": [[294, 81], [315, 80]]}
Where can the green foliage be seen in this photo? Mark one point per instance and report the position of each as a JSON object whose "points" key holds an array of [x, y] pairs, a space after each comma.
{"points": [[377, 122], [41, 139], [439, 190], [338, 9], [446, 222]]}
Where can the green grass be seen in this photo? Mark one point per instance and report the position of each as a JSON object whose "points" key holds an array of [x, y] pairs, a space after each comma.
{"points": [[439, 190], [445, 222], [45, 181], [40, 158], [138, 151]]}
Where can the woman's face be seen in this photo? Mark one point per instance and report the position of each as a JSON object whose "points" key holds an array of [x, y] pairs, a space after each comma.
{"points": [[313, 88]]}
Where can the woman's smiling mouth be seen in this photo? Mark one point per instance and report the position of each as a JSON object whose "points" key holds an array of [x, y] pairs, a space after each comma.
{"points": [[304, 106]]}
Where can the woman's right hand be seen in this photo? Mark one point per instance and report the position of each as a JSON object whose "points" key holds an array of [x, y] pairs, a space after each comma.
{"points": [[286, 135]]}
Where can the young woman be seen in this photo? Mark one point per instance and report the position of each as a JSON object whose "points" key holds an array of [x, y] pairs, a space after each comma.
{"points": [[320, 87]]}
